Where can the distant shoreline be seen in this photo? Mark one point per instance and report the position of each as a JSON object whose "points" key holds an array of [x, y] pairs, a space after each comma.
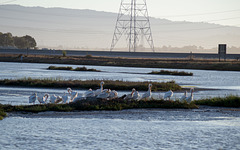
{"points": [[199, 64]]}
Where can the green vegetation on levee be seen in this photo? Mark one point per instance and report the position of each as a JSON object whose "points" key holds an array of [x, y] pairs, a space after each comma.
{"points": [[2, 113], [229, 101], [94, 84], [8, 40], [177, 73], [71, 69], [86, 105], [119, 104]]}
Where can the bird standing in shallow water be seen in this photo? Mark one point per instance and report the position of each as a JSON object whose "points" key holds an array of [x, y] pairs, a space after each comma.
{"points": [[33, 98], [190, 98], [42, 98], [183, 98]]}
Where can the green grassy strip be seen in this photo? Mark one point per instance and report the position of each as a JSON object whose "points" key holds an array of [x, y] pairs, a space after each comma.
{"points": [[116, 105], [229, 101], [71, 69], [2, 114], [94, 84], [166, 72]]}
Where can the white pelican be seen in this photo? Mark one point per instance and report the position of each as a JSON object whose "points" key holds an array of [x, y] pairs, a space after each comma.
{"points": [[42, 98], [148, 94], [55, 99], [168, 94], [104, 94], [33, 98], [65, 98], [130, 96], [79, 98], [73, 94], [89, 93], [183, 98], [190, 98], [99, 91], [136, 95], [113, 94]]}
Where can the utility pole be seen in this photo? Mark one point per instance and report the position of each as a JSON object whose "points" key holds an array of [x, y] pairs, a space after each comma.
{"points": [[133, 23]]}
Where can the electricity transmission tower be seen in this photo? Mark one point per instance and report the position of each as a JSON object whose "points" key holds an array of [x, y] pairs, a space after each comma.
{"points": [[133, 22]]}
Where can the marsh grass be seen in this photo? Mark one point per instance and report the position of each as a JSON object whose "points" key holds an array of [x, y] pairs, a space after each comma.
{"points": [[177, 73], [94, 84], [71, 69], [98, 105], [229, 101], [2, 112]]}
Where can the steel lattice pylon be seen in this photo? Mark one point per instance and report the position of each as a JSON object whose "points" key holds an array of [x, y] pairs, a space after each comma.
{"points": [[133, 22]]}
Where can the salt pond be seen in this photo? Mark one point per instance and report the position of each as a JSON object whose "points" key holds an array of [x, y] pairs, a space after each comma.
{"points": [[205, 128]]}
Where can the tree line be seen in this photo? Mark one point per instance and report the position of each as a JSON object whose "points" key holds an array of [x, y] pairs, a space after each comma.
{"points": [[24, 42]]}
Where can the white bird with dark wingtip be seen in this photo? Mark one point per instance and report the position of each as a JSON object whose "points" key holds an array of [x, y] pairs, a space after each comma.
{"points": [[183, 98], [65, 98], [168, 94], [190, 98], [99, 91], [73, 94], [33, 98], [148, 94], [42, 98], [113, 94]]}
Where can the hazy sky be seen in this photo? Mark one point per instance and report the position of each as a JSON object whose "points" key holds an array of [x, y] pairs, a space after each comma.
{"points": [[225, 12]]}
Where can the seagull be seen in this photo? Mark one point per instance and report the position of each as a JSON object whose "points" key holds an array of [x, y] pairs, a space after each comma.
{"points": [[65, 98], [184, 96], [129, 96], [148, 94], [99, 91], [113, 94], [190, 98], [168, 94], [73, 94], [33, 98]]}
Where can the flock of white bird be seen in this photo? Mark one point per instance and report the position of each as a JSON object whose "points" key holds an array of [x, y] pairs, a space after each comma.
{"points": [[103, 94]]}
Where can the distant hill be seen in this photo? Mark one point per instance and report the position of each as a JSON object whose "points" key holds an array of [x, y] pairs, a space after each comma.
{"points": [[82, 29]]}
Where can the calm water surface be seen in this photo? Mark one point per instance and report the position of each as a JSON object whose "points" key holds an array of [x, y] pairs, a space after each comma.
{"points": [[129, 129], [152, 129], [226, 82]]}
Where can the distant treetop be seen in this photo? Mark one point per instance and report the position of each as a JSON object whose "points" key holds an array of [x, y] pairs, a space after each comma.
{"points": [[7, 40]]}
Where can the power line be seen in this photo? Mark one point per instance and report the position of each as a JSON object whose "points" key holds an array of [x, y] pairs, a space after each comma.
{"points": [[8, 2], [189, 22], [201, 14]]}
